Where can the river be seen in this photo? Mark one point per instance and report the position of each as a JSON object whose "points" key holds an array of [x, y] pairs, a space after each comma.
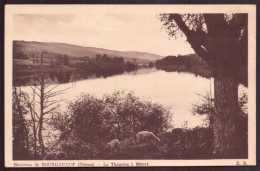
{"points": [[175, 91]]}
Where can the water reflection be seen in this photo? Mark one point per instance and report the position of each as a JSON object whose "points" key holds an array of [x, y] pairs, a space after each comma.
{"points": [[60, 77], [173, 90]]}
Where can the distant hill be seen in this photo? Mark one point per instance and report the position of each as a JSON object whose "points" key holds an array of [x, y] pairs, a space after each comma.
{"points": [[32, 47]]}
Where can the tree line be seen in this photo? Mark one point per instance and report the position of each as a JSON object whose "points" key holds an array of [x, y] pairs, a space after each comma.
{"points": [[103, 65], [184, 63], [83, 67]]}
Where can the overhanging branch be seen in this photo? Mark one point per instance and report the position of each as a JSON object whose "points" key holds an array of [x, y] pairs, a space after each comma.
{"points": [[192, 37]]}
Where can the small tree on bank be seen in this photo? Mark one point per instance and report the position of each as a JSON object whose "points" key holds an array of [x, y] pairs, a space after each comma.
{"points": [[40, 106]]}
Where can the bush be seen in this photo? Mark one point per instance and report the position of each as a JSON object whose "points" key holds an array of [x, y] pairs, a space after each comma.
{"points": [[91, 122], [21, 141], [206, 107]]}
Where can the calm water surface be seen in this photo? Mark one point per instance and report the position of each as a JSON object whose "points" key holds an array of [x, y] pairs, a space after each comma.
{"points": [[176, 91]]}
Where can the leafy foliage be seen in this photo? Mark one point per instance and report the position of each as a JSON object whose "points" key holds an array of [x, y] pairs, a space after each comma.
{"points": [[206, 107], [185, 63], [103, 65], [91, 122], [21, 142]]}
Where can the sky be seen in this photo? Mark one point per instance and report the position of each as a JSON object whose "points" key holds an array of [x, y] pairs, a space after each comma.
{"points": [[123, 32]]}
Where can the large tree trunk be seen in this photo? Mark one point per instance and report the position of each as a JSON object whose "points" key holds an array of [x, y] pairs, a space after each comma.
{"points": [[226, 132], [223, 48]]}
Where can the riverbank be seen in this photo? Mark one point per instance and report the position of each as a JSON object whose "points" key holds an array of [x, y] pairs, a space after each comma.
{"points": [[62, 68], [203, 71], [194, 64], [187, 63]]}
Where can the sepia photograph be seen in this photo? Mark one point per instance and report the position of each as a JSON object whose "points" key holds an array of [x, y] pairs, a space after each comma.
{"points": [[130, 85]]}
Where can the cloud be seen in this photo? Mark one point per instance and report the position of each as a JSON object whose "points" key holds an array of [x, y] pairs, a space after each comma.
{"points": [[126, 32], [67, 18]]}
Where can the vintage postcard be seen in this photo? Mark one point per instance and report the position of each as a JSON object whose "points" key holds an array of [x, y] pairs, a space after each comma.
{"points": [[130, 85]]}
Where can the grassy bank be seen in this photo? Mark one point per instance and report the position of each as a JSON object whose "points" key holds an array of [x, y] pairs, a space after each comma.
{"points": [[99, 66]]}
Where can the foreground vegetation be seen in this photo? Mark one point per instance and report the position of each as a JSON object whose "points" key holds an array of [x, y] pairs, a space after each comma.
{"points": [[89, 123]]}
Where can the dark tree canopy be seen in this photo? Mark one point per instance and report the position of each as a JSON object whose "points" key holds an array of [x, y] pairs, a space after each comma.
{"points": [[216, 38]]}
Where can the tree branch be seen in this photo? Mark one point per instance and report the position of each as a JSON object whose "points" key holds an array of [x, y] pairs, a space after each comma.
{"points": [[192, 37]]}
